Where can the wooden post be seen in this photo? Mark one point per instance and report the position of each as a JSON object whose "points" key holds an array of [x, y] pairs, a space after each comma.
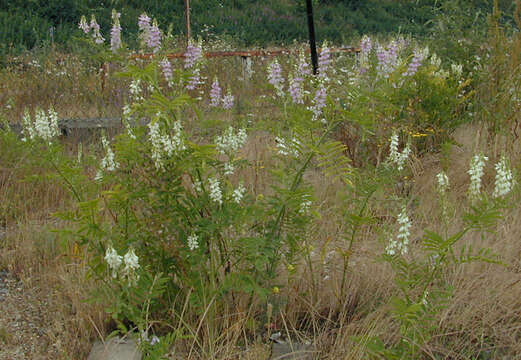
{"points": [[312, 42], [187, 19]]}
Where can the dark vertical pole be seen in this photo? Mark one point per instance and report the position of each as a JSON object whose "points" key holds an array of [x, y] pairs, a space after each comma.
{"points": [[187, 18], [312, 42]]}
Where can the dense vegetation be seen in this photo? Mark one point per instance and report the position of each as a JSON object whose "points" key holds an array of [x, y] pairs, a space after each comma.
{"points": [[26, 24]]}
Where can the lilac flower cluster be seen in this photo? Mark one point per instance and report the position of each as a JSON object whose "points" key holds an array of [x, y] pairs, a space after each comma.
{"points": [[215, 93], [143, 22], [83, 25], [324, 60], [216, 97], [228, 100], [193, 56], [166, 67], [303, 66], [115, 32], [319, 102], [416, 62], [366, 46], [195, 79], [296, 80], [150, 33], [154, 37], [275, 77], [98, 39], [387, 59], [295, 89], [94, 26]]}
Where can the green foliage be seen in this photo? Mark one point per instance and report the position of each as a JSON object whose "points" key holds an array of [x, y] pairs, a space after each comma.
{"points": [[28, 23], [421, 279]]}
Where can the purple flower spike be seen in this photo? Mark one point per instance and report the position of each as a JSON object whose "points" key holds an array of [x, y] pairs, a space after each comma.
{"points": [[194, 80], [154, 37], [275, 77], [303, 66], [416, 62], [115, 32], [387, 59], [83, 25], [143, 22], [166, 67], [98, 39], [295, 89], [228, 100], [193, 54], [366, 45], [324, 60], [215, 93], [319, 102]]}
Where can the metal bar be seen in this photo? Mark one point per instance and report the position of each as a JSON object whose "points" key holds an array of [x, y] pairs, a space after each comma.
{"points": [[187, 19], [312, 42]]}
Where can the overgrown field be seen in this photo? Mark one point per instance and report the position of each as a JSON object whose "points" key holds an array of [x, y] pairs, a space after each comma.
{"points": [[370, 211]]}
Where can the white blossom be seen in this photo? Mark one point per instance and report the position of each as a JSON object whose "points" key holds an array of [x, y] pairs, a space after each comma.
{"points": [[157, 144], [395, 156], [238, 194], [28, 126], [215, 191], [135, 90], [305, 205], [504, 178], [443, 181], [113, 260], [230, 142], [165, 144], [400, 245], [229, 168], [475, 171], [45, 126], [127, 112], [457, 69], [198, 186], [287, 148], [108, 163], [131, 265], [193, 242]]}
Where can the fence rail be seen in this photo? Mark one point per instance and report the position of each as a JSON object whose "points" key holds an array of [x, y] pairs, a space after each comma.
{"points": [[247, 53], [68, 126]]}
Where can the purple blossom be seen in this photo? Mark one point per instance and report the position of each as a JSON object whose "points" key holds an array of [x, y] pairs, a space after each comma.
{"points": [[154, 37], [143, 22], [303, 66], [115, 32], [415, 63], [319, 102], [387, 59], [275, 77], [295, 89], [324, 60], [83, 25], [194, 80], [215, 93], [366, 45], [193, 54], [228, 100], [98, 39], [393, 50], [166, 67]]}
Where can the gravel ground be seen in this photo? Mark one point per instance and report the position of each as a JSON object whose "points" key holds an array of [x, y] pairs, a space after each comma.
{"points": [[22, 328]]}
